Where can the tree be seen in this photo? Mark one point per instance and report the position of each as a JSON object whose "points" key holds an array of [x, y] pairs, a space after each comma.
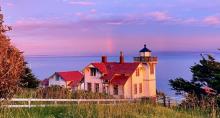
{"points": [[11, 64], [204, 87], [206, 75], [28, 79]]}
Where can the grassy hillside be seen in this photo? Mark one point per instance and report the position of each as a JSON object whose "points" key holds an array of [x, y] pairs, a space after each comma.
{"points": [[101, 111]]}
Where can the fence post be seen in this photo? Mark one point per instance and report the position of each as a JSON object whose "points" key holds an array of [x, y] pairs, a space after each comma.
{"points": [[97, 101], [164, 101], [169, 102], [29, 102], [55, 102]]}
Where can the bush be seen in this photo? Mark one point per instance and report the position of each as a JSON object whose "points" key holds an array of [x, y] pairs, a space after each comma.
{"points": [[54, 92], [90, 95]]}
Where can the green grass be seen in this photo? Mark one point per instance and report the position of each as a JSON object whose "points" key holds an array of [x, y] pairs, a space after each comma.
{"points": [[101, 111]]}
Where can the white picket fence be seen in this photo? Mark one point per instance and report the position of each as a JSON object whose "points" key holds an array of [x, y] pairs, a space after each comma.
{"points": [[30, 102]]}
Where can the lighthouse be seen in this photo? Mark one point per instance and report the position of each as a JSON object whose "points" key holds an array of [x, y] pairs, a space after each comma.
{"points": [[145, 57], [145, 52]]}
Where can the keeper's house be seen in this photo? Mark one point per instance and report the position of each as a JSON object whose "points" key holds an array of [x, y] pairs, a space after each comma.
{"points": [[123, 79]]}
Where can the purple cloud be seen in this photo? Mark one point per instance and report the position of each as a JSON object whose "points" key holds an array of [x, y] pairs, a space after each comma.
{"points": [[82, 3], [159, 16]]}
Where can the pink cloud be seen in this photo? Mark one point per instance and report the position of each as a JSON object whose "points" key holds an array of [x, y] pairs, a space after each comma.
{"points": [[212, 20], [81, 3], [115, 23], [93, 11], [55, 46], [190, 21], [9, 4], [159, 16], [31, 24]]}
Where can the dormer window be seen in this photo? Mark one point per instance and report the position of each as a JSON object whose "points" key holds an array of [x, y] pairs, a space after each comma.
{"points": [[57, 77], [93, 71]]}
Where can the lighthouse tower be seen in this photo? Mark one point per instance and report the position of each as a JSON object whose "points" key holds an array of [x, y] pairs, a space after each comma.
{"points": [[149, 79]]}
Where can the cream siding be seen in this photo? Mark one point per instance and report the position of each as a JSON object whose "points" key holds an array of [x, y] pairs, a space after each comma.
{"points": [[53, 81], [128, 89], [120, 91], [92, 79]]}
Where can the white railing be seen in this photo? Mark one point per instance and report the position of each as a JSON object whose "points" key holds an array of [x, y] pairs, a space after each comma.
{"points": [[29, 101], [32, 102]]}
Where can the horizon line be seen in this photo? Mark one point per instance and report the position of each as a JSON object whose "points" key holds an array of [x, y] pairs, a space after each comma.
{"points": [[129, 55]]}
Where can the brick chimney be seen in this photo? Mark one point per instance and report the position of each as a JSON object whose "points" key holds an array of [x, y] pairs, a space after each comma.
{"points": [[121, 58], [104, 59]]}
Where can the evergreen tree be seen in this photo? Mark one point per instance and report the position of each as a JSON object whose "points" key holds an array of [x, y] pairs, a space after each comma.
{"points": [[206, 76], [28, 79], [11, 64], [202, 91]]}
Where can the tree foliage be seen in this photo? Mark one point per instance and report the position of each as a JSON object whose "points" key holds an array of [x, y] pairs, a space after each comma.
{"points": [[204, 85], [11, 64], [28, 79]]}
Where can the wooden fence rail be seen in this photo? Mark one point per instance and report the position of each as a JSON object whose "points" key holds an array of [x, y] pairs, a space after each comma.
{"points": [[31, 102]]}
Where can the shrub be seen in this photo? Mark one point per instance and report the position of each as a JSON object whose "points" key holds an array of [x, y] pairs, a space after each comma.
{"points": [[54, 92]]}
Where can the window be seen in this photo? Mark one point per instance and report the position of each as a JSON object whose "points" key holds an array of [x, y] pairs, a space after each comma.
{"points": [[89, 86], [105, 89], [96, 88], [57, 77], [93, 71], [135, 88], [140, 88], [151, 68], [137, 72], [115, 89]]}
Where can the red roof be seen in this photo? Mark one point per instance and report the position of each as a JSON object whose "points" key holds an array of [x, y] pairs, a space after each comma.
{"points": [[112, 69], [74, 76], [74, 83], [119, 79], [101, 67]]}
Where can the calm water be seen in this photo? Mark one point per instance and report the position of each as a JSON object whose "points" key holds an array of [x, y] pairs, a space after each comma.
{"points": [[170, 66]]}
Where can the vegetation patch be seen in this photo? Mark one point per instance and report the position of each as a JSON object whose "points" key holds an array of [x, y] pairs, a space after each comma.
{"points": [[136, 110]]}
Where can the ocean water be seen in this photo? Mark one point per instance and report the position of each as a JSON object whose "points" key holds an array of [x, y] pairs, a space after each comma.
{"points": [[170, 66]]}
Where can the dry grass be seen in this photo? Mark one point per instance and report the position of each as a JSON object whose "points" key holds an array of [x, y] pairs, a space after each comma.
{"points": [[136, 110]]}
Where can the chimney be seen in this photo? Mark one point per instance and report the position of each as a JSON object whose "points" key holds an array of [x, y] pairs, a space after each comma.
{"points": [[104, 59], [121, 58]]}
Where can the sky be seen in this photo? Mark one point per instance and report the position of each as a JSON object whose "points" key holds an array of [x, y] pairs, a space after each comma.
{"points": [[95, 27]]}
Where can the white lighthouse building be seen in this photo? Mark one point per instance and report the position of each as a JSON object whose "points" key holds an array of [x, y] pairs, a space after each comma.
{"points": [[149, 84]]}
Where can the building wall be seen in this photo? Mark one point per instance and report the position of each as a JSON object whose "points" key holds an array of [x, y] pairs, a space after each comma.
{"points": [[137, 80], [53, 81], [79, 87], [92, 79], [128, 88], [146, 79], [120, 91], [150, 81]]}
